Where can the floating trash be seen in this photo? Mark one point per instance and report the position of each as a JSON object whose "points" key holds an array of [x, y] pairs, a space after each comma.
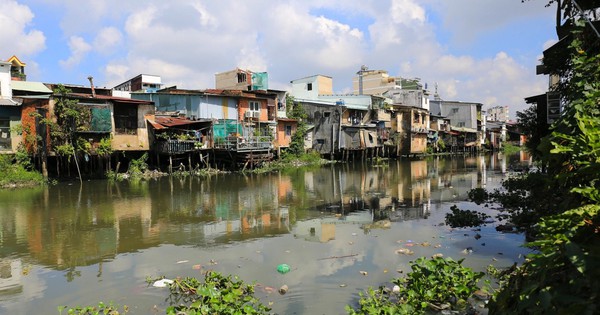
{"points": [[404, 251], [283, 268], [283, 289], [162, 283]]}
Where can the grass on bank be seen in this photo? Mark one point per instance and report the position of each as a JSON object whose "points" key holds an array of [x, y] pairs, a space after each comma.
{"points": [[15, 174], [311, 158]]}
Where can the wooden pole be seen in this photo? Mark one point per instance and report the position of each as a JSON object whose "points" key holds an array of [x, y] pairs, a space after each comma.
{"points": [[77, 164]]}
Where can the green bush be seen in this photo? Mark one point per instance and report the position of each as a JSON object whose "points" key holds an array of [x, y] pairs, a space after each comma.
{"points": [[464, 218], [218, 294], [432, 284], [15, 174], [100, 309]]}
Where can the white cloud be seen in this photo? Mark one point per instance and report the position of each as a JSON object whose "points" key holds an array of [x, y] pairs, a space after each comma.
{"points": [[79, 48], [15, 36], [407, 12], [187, 41], [107, 40]]}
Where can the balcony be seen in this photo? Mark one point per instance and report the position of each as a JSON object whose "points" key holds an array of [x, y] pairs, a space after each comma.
{"points": [[243, 144], [176, 146]]}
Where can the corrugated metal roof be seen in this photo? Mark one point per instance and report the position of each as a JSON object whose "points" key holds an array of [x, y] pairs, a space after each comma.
{"points": [[30, 86], [176, 121], [82, 96]]}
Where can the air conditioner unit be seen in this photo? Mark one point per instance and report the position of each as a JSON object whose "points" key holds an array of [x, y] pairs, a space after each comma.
{"points": [[256, 114], [248, 114]]}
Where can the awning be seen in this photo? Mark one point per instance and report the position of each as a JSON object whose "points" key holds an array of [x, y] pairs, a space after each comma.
{"points": [[8, 102], [463, 129], [30, 86]]}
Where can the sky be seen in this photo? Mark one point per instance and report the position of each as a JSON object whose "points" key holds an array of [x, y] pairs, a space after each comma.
{"points": [[481, 51]]}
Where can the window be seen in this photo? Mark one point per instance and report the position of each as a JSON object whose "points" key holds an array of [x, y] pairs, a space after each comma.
{"points": [[326, 114], [254, 106], [126, 119], [461, 124], [241, 77], [288, 130], [454, 110], [309, 86], [5, 143]]}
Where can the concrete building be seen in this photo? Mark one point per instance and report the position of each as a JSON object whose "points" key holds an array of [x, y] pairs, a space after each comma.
{"points": [[244, 80], [498, 113], [466, 121], [310, 88], [10, 111], [141, 83], [403, 91]]}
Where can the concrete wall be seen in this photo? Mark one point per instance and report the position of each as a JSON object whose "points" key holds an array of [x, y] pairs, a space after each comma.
{"points": [[318, 85], [138, 142], [244, 107], [9, 140], [282, 139], [461, 114], [229, 80], [5, 89], [326, 121]]}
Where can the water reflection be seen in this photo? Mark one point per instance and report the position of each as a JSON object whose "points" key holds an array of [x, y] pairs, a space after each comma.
{"points": [[110, 232]]}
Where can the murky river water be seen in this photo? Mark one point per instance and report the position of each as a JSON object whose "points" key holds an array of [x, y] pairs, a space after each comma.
{"points": [[73, 244]]}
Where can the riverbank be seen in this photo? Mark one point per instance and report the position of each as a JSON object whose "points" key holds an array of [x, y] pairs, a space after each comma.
{"points": [[15, 175]]}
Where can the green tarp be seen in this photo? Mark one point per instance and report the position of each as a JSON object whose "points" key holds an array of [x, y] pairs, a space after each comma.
{"points": [[100, 120], [224, 128], [260, 81]]}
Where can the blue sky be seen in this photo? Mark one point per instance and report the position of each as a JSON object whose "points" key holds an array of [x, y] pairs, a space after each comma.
{"points": [[474, 50]]}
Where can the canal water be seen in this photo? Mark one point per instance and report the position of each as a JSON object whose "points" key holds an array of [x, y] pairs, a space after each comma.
{"points": [[338, 227]]}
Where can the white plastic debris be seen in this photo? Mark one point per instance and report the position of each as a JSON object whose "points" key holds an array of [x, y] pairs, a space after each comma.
{"points": [[162, 283]]}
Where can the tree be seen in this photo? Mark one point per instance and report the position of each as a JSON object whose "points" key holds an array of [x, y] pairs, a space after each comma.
{"points": [[296, 111], [563, 276], [530, 125]]}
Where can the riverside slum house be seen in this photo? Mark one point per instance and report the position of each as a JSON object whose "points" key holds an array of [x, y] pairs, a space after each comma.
{"points": [[467, 124], [405, 113], [280, 126], [107, 129], [11, 109], [340, 126], [103, 124], [232, 127], [410, 120]]}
